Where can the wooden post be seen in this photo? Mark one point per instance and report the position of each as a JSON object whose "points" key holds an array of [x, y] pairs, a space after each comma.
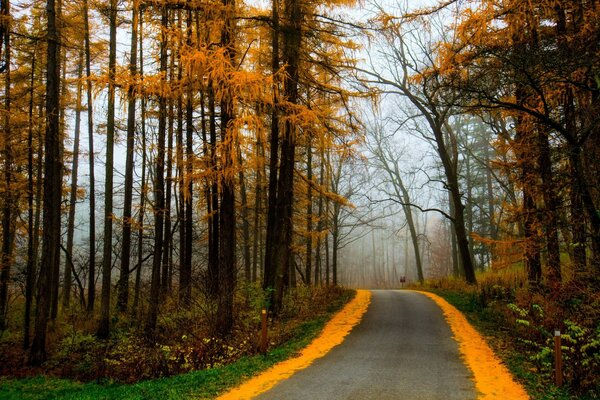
{"points": [[558, 373], [263, 336]]}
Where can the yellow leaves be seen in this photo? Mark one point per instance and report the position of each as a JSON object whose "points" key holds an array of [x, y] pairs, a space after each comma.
{"points": [[333, 334], [384, 21], [492, 378]]}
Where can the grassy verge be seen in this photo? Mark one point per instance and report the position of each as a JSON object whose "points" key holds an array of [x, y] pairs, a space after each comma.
{"points": [[205, 384], [504, 344]]}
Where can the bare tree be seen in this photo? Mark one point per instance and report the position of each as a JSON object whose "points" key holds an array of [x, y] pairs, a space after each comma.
{"points": [[406, 68]]}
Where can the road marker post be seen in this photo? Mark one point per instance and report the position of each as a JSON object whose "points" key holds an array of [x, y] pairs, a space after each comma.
{"points": [[558, 372], [263, 336]]}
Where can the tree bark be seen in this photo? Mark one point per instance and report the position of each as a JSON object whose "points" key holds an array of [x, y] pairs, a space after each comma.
{"points": [[168, 238], [309, 212], [52, 190], [213, 202], [104, 323], [272, 239], [30, 269], [143, 185], [245, 217], [90, 120], [550, 207], [69, 266], [292, 35], [185, 268], [159, 189], [123, 285], [227, 239], [8, 204]]}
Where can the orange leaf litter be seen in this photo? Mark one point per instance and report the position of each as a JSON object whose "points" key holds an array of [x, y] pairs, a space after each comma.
{"points": [[333, 334], [492, 379]]}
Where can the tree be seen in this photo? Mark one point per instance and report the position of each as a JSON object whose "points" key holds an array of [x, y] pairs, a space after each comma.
{"points": [[536, 70], [227, 239], [52, 190], [419, 82], [159, 187], [90, 125], [8, 203], [388, 159], [123, 288], [69, 266], [104, 323]]}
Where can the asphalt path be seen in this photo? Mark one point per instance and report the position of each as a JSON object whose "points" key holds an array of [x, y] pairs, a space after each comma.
{"points": [[402, 349]]}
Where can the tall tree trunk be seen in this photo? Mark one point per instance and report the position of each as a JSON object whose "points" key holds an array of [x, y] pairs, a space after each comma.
{"points": [[292, 35], [168, 239], [309, 212], [159, 188], [213, 201], [227, 239], [104, 323], [63, 90], [580, 187], [7, 207], [123, 286], [144, 184], [469, 205], [492, 227], [550, 207], [451, 173], [90, 119], [402, 193], [326, 243], [456, 262], [181, 176], [335, 242], [531, 251], [256, 232], [320, 224], [185, 268], [272, 240], [52, 190], [30, 269], [245, 217], [69, 266]]}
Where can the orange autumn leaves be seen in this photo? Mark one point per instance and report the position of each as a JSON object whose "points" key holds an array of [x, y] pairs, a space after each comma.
{"points": [[333, 334]]}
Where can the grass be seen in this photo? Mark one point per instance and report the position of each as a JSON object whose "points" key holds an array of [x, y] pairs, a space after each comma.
{"points": [[204, 384]]}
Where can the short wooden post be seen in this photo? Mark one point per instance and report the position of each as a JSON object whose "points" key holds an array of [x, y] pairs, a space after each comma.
{"points": [[263, 336], [558, 372]]}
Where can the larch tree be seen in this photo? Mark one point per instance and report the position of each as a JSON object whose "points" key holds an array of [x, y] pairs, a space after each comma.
{"points": [[52, 190], [104, 322], [8, 198], [91, 285], [550, 95], [159, 185], [69, 265], [123, 287]]}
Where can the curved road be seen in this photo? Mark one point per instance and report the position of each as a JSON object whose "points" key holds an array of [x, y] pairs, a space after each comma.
{"points": [[402, 349]]}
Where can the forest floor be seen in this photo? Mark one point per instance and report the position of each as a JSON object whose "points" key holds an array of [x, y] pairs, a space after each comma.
{"points": [[188, 365], [519, 325]]}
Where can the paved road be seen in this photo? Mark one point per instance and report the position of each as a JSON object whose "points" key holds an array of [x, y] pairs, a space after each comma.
{"points": [[402, 349]]}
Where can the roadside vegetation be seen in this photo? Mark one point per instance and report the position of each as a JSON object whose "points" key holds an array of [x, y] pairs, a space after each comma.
{"points": [[185, 360], [519, 324]]}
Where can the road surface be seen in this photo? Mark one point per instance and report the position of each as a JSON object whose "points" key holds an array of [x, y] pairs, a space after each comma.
{"points": [[402, 349]]}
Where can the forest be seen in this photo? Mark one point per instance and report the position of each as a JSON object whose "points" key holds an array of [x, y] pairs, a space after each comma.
{"points": [[168, 168]]}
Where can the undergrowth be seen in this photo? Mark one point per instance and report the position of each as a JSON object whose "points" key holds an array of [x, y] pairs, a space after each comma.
{"points": [[520, 323], [185, 360]]}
